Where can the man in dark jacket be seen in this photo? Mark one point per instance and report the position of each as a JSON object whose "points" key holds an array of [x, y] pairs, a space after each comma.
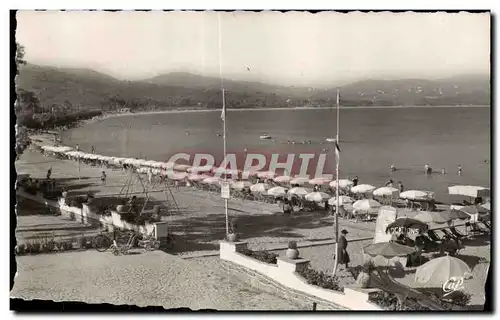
{"points": [[343, 256]]}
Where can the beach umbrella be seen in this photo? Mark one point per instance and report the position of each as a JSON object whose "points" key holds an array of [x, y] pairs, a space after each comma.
{"points": [[149, 163], [178, 176], [474, 209], [319, 181], [388, 249], [249, 174], [366, 205], [343, 200], [259, 187], [299, 180], [317, 196], [386, 192], [240, 185], [362, 188], [181, 167], [436, 272], [407, 223], [282, 179], [469, 191], [266, 175], [343, 183], [228, 172], [298, 191], [440, 216], [487, 206], [157, 164], [416, 195], [199, 169], [197, 177], [211, 180], [276, 191]]}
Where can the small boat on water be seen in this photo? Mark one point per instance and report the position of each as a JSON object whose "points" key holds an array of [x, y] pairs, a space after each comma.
{"points": [[330, 139], [265, 137]]}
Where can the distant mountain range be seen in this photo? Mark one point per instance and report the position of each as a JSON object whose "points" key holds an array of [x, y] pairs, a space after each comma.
{"points": [[91, 89]]}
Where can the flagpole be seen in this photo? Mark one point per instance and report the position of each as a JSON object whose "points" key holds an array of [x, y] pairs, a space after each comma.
{"points": [[337, 159], [223, 120]]}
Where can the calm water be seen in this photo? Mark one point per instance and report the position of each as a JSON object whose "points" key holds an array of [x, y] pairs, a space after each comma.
{"points": [[371, 140]]}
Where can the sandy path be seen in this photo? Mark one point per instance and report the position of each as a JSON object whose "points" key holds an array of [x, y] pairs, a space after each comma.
{"points": [[145, 279]]}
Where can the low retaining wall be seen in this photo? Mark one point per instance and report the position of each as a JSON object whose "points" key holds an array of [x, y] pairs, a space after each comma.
{"points": [[283, 279]]}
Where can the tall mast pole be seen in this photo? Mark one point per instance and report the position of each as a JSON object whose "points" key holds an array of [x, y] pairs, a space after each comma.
{"points": [[337, 160], [223, 121]]}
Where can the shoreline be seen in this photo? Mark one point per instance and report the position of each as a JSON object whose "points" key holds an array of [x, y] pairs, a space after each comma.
{"points": [[274, 109]]}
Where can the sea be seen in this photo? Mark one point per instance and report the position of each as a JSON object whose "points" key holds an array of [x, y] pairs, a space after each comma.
{"points": [[370, 139]]}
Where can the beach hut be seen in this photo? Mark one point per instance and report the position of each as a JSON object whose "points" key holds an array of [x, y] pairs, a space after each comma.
{"points": [[469, 191]]}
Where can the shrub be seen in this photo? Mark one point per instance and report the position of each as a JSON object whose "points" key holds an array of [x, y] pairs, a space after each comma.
{"points": [[320, 279], [262, 255], [292, 245]]}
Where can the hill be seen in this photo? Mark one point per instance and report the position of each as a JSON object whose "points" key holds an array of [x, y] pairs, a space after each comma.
{"points": [[88, 89]]}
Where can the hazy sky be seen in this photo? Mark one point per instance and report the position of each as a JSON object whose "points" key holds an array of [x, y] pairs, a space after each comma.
{"points": [[293, 48]]}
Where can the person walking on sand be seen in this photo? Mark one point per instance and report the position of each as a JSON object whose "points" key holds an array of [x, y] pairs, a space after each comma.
{"points": [[103, 177], [49, 173], [459, 168], [389, 183], [343, 255]]}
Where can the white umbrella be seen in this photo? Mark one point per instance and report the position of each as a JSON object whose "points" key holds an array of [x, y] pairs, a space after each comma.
{"points": [[362, 188], [469, 191], [276, 191], [266, 175], [386, 192], [367, 205], [299, 180], [211, 180], [282, 179], [343, 183], [343, 200], [319, 181], [317, 196], [197, 177], [240, 185], [160, 165], [298, 191], [416, 195], [259, 187], [149, 163]]}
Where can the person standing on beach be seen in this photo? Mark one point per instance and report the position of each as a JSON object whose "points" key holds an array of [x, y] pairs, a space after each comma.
{"points": [[49, 173], [401, 187], [355, 181], [389, 183], [93, 150], [342, 254], [443, 171], [459, 170], [393, 168], [103, 177], [150, 176], [77, 147]]}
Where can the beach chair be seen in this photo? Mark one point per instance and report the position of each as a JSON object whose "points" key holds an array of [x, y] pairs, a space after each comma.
{"points": [[433, 236], [457, 233], [449, 233], [473, 228]]}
